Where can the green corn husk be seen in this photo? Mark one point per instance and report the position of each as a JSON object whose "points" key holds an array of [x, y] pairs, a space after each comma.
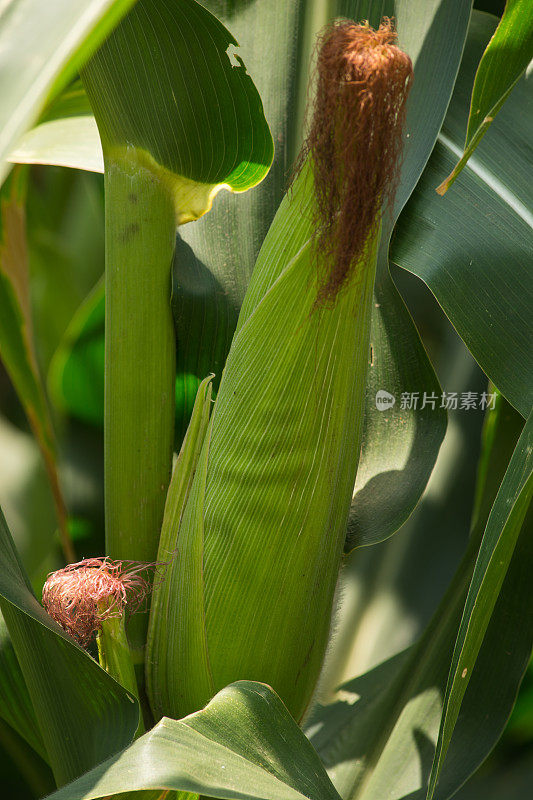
{"points": [[252, 583]]}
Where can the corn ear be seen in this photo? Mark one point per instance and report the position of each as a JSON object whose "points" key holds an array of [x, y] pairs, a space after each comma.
{"points": [[251, 586]]}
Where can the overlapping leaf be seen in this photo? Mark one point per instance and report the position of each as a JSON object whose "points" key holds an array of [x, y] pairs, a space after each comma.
{"points": [[178, 102], [15, 703]]}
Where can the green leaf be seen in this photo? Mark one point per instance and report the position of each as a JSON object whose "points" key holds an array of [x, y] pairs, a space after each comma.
{"points": [[69, 142], [400, 444], [83, 715], [507, 55], [65, 235], [379, 737], [244, 744], [163, 608], [42, 47], [194, 119], [67, 135], [390, 591], [76, 374], [495, 554], [15, 703], [16, 335], [472, 247]]}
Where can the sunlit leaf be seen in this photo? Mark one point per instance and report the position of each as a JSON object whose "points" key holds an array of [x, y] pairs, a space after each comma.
{"points": [[194, 118], [41, 48], [244, 744]]}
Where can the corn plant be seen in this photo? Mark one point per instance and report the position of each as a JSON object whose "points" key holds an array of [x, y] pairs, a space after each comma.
{"points": [[237, 624]]}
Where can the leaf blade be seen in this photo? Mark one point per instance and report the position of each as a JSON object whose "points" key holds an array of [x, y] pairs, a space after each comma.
{"points": [[496, 551], [16, 337], [243, 744], [472, 247], [506, 57], [41, 50]]}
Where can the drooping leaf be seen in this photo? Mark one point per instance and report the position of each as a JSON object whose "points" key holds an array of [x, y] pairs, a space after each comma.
{"points": [[244, 744], [402, 437], [472, 247], [507, 55], [83, 715], [66, 142], [67, 135], [194, 118], [41, 49], [389, 592]]}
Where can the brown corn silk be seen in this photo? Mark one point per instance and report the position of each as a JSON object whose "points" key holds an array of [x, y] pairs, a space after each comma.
{"points": [[354, 142], [83, 595]]}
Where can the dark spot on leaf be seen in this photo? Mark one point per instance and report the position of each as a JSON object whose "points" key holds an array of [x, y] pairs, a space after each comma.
{"points": [[129, 232]]}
